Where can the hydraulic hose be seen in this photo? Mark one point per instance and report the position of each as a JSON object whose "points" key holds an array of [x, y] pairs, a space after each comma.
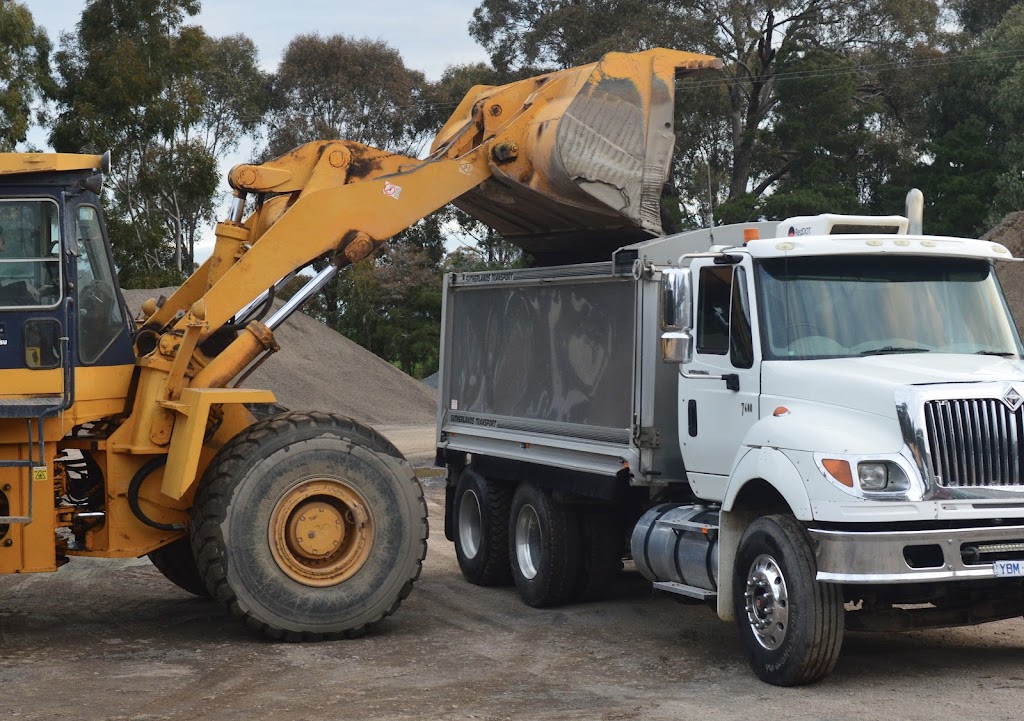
{"points": [[133, 496]]}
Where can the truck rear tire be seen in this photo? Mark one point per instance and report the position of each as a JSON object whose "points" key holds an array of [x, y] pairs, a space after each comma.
{"points": [[176, 562], [481, 529], [601, 550], [309, 526], [543, 547], [791, 626]]}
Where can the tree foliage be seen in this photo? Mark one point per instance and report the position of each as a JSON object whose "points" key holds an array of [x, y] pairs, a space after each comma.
{"points": [[343, 88], [167, 101], [24, 71]]}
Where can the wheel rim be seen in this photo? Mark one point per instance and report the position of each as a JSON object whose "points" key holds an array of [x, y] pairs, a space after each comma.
{"points": [[767, 602], [470, 524], [321, 532], [528, 541]]}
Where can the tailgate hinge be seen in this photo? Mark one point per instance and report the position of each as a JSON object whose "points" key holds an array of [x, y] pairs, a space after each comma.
{"points": [[646, 436]]}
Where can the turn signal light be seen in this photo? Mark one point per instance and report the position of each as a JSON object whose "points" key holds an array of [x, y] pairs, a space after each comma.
{"points": [[840, 470]]}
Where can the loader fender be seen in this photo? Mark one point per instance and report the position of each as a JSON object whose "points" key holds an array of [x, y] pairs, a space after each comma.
{"points": [[191, 413]]}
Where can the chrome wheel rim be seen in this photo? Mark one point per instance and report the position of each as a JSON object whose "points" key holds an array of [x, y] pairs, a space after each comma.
{"points": [[470, 524], [767, 602], [528, 541]]}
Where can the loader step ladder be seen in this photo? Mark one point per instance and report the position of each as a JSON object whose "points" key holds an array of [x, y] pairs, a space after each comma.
{"points": [[36, 410]]}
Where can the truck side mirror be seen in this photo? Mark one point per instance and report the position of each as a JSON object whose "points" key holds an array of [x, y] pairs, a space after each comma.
{"points": [[676, 316]]}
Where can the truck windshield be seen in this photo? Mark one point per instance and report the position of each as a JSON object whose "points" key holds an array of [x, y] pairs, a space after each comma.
{"points": [[847, 306], [29, 253]]}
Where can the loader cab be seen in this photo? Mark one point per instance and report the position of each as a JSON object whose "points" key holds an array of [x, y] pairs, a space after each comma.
{"points": [[60, 305]]}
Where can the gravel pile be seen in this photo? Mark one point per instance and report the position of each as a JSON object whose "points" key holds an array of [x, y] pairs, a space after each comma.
{"points": [[319, 369], [1010, 232]]}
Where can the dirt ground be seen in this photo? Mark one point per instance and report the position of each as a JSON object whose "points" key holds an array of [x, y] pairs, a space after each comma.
{"points": [[114, 640]]}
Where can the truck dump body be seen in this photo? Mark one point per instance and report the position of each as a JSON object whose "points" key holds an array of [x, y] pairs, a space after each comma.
{"points": [[543, 354]]}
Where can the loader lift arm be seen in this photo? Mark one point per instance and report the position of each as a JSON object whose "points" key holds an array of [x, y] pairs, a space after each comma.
{"points": [[561, 158]]}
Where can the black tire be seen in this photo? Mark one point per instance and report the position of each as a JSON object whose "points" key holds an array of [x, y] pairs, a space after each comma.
{"points": [[481, 511], [791, 626], [543, 547], [176, 562], [290, 470], [601, 552]]}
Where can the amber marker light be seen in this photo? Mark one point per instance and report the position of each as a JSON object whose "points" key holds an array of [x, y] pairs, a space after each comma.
{"points": [[840, 470], [750, 234], [780, 411]]}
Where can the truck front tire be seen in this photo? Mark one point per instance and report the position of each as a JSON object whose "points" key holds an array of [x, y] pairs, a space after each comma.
{"points": [[309, 526], [791, 626], [543, 547], [481, 511]]}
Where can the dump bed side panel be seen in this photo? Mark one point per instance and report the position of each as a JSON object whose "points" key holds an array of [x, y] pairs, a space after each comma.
{"points": [[539, 363]]}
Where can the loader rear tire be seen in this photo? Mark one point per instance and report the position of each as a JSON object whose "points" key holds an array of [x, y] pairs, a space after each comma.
{"points": [[176, 562], [309, 526]]}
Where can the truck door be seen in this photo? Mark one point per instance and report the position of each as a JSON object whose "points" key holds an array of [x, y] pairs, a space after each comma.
{"points": [[713, 418]]}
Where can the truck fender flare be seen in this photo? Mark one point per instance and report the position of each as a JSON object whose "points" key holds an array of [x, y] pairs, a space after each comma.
{"points": [[762, 466]]}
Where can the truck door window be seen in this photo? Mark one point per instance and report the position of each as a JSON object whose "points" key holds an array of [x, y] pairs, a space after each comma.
{"points": [[99, 314], [29, 254], [741, 342], [713, 309]]}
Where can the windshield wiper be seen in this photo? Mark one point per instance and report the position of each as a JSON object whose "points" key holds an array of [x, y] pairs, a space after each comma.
{"points": [[1000, 353], [894, 349]]}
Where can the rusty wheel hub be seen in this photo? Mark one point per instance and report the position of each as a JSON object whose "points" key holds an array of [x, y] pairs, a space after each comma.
{"points": [[321, 532]]}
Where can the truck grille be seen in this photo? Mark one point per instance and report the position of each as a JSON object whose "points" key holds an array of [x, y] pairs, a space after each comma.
{"points": [[974, 442]]}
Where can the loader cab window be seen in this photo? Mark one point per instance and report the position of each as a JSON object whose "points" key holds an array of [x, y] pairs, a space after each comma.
{"points": [[723, 315], [100, 319], [29, 254]]}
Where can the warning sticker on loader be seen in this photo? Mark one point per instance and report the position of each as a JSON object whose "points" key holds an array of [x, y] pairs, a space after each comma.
{"points": [[391, 190], [39, 473]]}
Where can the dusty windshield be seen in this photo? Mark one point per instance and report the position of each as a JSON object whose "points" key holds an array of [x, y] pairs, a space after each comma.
{"points": [[29, 253], [848, 306]]}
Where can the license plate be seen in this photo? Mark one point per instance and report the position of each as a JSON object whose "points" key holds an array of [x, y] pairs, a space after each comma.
{"points": [[1008, 568]]}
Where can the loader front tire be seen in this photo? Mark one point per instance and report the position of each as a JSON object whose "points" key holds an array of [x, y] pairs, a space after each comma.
{"points": [[309, 526]]}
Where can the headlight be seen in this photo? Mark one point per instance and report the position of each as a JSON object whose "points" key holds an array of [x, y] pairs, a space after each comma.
{"points": [[874, 476]]}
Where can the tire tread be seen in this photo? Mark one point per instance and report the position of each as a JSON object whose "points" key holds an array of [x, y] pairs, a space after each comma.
{"points": [[211, 509]]}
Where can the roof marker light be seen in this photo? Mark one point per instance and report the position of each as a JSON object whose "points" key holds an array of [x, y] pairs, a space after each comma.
{"points": [[928, 243], [902, 242], [785, 245], [875, 242], [999, 248]]}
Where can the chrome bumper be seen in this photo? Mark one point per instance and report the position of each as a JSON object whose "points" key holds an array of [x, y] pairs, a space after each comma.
{"points": [[871, 557]]}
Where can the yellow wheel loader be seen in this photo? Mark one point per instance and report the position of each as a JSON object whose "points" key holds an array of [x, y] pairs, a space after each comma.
{"points": [[122, 438]]}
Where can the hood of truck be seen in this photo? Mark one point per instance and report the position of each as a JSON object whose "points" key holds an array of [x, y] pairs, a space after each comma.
{"points": [[869, 384]]}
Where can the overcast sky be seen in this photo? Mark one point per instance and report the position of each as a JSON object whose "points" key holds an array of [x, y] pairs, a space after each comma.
{"points": [[429, 34]]}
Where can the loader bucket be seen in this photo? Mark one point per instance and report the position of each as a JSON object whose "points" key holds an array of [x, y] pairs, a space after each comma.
{"points": [[579, 170]]}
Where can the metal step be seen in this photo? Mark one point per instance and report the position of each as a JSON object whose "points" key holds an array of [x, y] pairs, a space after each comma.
{"points": [[682, 589], [30, 407]]}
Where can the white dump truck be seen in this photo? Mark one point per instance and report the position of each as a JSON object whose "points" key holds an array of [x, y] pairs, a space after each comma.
{"points": [[812, 425]]}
